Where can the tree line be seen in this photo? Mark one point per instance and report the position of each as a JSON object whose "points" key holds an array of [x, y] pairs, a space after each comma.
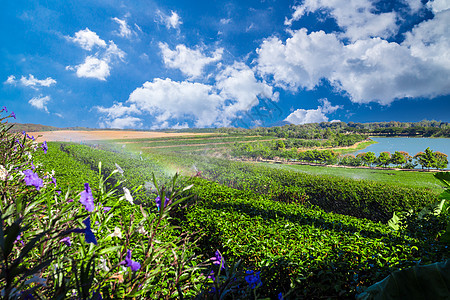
{"points": [[428, 159], [326, 130]]}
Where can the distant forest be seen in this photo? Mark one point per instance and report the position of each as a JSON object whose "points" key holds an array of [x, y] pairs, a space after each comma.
{"points": [[326, 130]]}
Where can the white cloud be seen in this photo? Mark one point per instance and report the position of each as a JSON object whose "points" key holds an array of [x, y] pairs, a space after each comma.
{"points": [[125, 30], [225, 21], [11, 80], [40, 102], [304, 116], [34, 82], [238, 85], [357, 18], [117, 110], [438, 5], [166, 99], [88, 39], [302, 61], [121, 123], [180, 126], [172, 21], [98, 65], [367, 70], [170, 102], [31, 81], [190, 61], [93, 68]]}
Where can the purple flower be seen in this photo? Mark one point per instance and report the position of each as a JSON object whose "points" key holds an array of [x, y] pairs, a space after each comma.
{"points": [[13, 115], [69, 200], [30, 137], [66, 241], [18, 142], [32, 178], [54, 180], [19, 239], [88, 234], [253, 279], [86, 198], [218, 260], [280, 296], [211, 276], [158, 202], [106, 208], [32, 166], [134, 265], [44, 147], [4, 108]]}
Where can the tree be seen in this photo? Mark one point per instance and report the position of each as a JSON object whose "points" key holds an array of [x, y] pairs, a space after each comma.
{"points": [[369, 158], [441, 160], [398, 158], [426, 159], [384, 159]]}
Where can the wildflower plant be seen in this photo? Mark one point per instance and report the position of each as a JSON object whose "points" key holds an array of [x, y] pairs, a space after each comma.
{"points": [[57, 245]]}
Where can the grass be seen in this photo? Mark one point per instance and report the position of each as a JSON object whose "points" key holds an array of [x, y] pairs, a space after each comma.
{"points": [[403, 178], [358, 147]]}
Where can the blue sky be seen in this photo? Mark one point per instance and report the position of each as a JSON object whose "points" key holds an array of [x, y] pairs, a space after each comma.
{"points": [[176, 64]]}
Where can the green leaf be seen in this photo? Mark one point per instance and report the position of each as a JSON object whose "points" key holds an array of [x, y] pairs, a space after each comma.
{"points": [[394, 222], [444, 177], [419, 282]]}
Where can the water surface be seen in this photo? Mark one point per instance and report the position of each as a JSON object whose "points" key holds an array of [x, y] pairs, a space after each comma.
{"points": [[408, 144]]}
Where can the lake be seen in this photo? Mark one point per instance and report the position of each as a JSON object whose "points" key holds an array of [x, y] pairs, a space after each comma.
{"points": [[411, 145]]}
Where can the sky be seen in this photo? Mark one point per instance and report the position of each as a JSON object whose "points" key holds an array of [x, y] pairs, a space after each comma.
{"points": [[148, 64]]}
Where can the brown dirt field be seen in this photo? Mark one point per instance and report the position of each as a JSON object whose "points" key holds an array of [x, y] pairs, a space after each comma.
{"points": [[96, 135]]}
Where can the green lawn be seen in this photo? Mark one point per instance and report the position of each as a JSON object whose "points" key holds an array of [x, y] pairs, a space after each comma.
{"points": [[404, 178]]}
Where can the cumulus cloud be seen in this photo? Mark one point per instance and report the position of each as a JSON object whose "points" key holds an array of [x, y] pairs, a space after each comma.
{"points": [[304, 116], [367, 69], [117, 110], [40, 102], [438, 5], [238, 85], [31, 81], [98, 65], [170, 21], [124, 30], [87, 39], [121, 123], [166, 100], [189, 61], [93, 68], [172, 102], [358, 19]]}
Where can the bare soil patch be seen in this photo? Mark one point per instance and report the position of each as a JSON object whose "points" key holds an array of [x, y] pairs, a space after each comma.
{"points": [[96, 135]]}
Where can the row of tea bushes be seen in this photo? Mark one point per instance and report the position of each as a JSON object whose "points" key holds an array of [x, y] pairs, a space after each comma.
{"points": [[320, 254], [360, 198]]}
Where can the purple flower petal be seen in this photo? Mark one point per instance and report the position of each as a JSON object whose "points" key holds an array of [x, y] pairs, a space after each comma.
{"points": [[88, 234], [218, 260], [32, 178], [44, 147], [128, 262], [158, 202], [66, 241], [13, 115], [106, 208], [5, 109], [87, 199]]}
